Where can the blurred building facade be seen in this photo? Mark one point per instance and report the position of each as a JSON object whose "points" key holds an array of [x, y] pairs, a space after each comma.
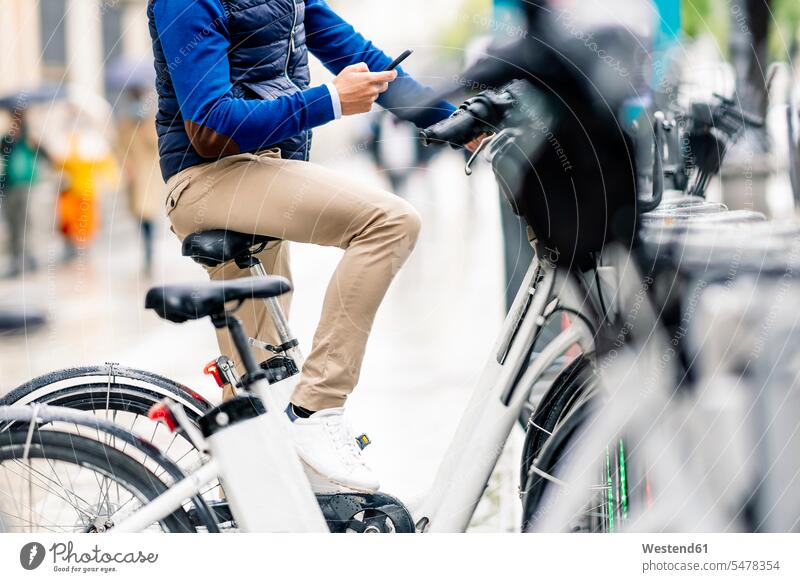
{"points": [[68, 41]]}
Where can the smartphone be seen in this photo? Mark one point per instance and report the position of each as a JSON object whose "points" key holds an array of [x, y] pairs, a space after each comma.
{"points": [[395, 63]]}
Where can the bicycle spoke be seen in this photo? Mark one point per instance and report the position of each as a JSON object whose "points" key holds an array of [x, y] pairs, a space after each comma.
{"points": [[135, 418], [16, 500], [53, 492]]}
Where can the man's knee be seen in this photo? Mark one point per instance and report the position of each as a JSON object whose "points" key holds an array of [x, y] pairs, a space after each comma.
{"points": [[406, 220], [391, 220]]}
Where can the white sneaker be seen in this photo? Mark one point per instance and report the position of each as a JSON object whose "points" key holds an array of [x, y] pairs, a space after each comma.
{"points": [[327, 446]]}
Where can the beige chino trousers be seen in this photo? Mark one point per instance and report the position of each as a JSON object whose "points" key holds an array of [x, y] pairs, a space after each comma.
{"points": [[303, 202]]}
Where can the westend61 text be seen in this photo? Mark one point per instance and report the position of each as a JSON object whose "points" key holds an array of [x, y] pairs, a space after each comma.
{"points": [[673, 549]]}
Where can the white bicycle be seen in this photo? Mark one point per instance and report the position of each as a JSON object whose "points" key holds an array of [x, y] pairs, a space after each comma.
{"points": [[243, 443]]}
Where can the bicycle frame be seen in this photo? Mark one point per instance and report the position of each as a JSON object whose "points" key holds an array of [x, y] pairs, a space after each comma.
{"points": [[263, 499], [501, 392]]}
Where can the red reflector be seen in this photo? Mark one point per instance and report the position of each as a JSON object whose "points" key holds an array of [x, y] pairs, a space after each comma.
{"points": [[213, 370], [161, 413], [575, 350]]}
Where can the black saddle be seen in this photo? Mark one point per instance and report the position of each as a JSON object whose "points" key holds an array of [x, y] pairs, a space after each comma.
{"points": [[179, 303], [215, 247]]}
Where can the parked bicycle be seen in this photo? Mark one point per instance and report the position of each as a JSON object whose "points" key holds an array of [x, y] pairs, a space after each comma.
{"points": [[666, 401]]}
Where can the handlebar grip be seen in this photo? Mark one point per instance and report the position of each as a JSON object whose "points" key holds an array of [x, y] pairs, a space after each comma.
{"points": [[457, 129]]}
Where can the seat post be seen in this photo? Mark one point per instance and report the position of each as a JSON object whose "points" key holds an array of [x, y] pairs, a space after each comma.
{"points": [[241, 344], [274, 307]]}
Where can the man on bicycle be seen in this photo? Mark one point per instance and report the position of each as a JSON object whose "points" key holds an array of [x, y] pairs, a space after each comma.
{"points": [[236, 110]]}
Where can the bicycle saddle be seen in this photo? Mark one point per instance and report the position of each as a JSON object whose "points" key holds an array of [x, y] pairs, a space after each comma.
{"points": [[180, 303], [215, 247]]}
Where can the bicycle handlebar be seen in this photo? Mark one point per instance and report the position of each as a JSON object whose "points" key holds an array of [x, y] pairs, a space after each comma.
{"points": [[723, 115], [456, 130], [479, 114]]}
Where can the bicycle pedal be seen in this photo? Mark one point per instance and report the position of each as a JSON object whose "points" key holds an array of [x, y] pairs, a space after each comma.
{"points": [[279, 368]]}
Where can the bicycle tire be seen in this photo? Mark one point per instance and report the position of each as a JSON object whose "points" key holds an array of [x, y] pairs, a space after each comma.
{"points": [[52, 446], [607, 505], [576, 379], [123, 389], [109, 375], [549, 462], [100, 399]]}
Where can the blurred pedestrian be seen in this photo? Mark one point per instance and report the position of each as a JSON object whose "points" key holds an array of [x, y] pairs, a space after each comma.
{"points": [[19, 174], [137, 143], [87, 163]]}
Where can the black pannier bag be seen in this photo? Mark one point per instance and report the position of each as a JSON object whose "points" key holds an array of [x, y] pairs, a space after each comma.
{"points": [[568, 165]]}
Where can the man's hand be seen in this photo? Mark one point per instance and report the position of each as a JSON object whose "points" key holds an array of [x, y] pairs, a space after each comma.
{"points": [[358, 88]]}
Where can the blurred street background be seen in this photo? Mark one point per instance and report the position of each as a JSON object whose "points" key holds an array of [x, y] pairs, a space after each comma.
{"points": [[88, 237]]}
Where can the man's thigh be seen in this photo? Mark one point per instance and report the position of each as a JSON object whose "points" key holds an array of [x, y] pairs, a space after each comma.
{"points": [[286, 199]]}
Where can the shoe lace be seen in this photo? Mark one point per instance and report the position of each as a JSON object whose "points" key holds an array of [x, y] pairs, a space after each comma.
{"points": [[342, 436]]}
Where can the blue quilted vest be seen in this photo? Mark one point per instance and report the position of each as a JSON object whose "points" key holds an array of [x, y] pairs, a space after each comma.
{"points": [[268, 59]]}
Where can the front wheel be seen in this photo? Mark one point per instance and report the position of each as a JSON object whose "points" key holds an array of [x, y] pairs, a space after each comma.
{"points": [[575, 383], [607, 499]]}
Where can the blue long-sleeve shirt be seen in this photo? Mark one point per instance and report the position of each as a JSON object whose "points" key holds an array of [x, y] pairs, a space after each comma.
{"points": [[196, 43]]}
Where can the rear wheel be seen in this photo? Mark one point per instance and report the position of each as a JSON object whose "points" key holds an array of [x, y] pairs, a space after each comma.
{"points": [[66, 483], [128, 406], [108, 377]]}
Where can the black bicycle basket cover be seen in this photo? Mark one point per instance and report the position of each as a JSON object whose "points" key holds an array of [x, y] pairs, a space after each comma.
{"points": [[569, 170]]}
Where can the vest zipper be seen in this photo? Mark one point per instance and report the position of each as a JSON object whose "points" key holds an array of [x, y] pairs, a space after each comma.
{"points": [[286, 66]]}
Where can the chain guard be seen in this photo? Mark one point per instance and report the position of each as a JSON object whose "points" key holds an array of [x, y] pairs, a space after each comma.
{"points": [[344, 512], [365, 513]]}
